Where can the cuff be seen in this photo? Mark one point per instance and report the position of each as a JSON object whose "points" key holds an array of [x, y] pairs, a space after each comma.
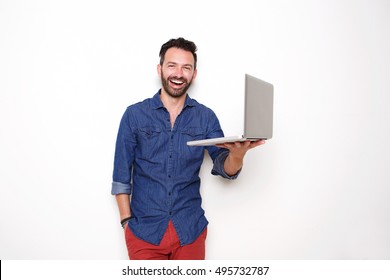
{"points": [[219, 169], [118, 188]]}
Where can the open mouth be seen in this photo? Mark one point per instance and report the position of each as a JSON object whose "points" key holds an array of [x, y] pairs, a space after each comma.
{"points": [[177, 83]]}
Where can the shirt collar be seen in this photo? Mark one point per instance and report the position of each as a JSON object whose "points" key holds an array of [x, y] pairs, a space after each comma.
{"points": [[157, 103]]}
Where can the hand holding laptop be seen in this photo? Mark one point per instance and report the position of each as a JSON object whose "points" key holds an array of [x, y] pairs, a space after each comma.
{"points": [[241, 144], [237, 151]]}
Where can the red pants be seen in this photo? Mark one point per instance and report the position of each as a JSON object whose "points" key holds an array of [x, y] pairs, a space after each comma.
{"points": [[169, 248]]}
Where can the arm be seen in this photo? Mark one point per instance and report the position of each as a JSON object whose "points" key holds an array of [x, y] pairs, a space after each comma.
{"points": [[227, 162], [237, 151], [123, 201], [124, 155]]}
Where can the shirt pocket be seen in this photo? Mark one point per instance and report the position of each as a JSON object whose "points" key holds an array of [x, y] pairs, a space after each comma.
{"points": [[149, 132], [192, 133], [149, 142], [191, 154]]}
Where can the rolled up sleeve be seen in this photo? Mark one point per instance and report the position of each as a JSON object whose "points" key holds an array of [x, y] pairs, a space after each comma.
{"points": [[124, 157], [118, 188], [218, 168]]}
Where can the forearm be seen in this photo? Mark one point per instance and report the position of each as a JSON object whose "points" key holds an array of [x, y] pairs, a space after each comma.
{"points": [[123, 201], [233, 164], [237, 151]]}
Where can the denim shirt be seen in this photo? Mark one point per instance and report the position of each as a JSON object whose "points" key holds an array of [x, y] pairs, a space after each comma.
{"points": [[154, 164]]}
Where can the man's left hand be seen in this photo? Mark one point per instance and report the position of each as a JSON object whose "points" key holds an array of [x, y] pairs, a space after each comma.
{"points": [[237, 151]]}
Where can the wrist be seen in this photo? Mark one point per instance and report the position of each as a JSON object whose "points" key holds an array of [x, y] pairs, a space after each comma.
{"points": [[235, 161], [125, 221]]}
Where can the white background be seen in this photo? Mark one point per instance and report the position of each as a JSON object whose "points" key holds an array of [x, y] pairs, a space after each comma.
{"points": [[318, 190]]}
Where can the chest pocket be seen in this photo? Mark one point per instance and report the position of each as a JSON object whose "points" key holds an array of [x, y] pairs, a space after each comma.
{"points": [[148, 141], [192, 133], [149, 132], [192, 156]]}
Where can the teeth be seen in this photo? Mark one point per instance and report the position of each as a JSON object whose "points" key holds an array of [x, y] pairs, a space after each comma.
{"points": [[176, 81]]}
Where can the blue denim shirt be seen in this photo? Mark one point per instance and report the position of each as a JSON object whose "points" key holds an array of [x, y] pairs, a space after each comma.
{"points": [[154, 164]]}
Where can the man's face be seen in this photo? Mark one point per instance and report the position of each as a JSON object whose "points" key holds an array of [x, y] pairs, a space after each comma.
{"points": [[177, 72]]}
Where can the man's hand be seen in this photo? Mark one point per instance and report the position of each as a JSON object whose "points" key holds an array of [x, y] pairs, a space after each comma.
{"points": [[237, 151], [240, 148]]}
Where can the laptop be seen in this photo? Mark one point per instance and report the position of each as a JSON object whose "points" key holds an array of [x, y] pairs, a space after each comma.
{"points": [[258, 116]]}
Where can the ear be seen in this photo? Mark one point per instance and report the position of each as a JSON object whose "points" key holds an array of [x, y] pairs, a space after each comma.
{"points": [[159, 69], [195, 73]]}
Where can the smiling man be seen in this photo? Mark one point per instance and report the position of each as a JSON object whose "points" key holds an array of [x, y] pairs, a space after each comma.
{"points": [[164, 218]]}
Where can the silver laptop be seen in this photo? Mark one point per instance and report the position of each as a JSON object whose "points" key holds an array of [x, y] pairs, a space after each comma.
{"points": [[258, 118]]}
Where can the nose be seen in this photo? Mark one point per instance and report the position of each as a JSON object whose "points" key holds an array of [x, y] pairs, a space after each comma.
{"points": [[179, 72]]}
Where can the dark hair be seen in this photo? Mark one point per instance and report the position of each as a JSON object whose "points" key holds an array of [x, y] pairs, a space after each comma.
{"points": [[179, 43]]}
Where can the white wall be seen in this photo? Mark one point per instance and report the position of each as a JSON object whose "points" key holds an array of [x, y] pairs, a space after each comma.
{"points": [[318, 190]]}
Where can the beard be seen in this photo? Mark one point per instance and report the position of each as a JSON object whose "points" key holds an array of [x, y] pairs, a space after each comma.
{"points": [[173, 92]]}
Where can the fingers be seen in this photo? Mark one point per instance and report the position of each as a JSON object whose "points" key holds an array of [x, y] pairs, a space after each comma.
{"points": [[254, 144], [245, 144]]}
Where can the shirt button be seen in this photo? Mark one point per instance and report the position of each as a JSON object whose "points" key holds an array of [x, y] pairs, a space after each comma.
{"points": [[169, 176], [170, 212], [169, 193]]}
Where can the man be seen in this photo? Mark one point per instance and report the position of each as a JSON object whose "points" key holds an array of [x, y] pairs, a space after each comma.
{"points": [[154, 165]]}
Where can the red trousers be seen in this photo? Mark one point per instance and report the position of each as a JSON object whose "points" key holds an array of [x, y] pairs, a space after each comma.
{"points": [[169, 248]]}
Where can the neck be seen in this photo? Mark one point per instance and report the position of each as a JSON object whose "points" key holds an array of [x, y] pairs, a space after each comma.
{"points": [[172, 103]]}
